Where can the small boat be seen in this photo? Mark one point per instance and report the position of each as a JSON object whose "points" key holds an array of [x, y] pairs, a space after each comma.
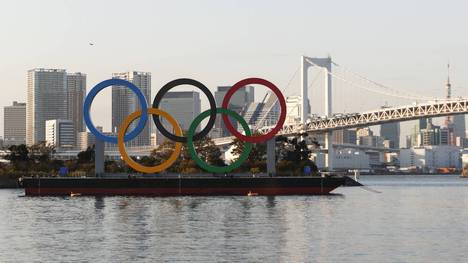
{"points": [[74, 194], [250, 193]]}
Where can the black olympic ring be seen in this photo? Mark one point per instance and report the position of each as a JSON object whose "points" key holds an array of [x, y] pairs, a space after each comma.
{"points": [[178, 82]]}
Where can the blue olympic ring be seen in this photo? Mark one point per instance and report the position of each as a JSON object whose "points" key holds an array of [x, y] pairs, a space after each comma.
{"points": [[90, 97]]}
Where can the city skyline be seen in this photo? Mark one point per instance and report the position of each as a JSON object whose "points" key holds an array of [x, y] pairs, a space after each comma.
{"points": [[407, 50], [78, 87]]}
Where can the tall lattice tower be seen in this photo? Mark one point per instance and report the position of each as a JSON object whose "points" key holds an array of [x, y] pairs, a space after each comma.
{"points": [[448, 90]]}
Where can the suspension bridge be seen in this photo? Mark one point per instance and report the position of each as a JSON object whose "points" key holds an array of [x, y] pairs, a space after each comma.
{"points": [[422, 107]]}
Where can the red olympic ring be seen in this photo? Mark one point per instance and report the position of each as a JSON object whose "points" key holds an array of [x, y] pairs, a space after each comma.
{"points": [[263, 137]]}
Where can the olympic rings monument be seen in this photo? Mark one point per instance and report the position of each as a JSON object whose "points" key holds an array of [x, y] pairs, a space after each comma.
{"points": [[183, 185], [191, 136]]}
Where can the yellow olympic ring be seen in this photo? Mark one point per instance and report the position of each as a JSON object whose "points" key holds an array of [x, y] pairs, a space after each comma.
{"points": [[138, 167]]}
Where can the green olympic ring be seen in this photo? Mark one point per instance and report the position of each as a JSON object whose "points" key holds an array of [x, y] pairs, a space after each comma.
{"points": [[218, 169]]}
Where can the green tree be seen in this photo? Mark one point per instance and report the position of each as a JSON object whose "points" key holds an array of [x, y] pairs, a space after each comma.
{"points": [[209, 152], [86, 156], [256, 162], [41, 153], [293, 155], [18, 153], [205, 148], [19, 157]]}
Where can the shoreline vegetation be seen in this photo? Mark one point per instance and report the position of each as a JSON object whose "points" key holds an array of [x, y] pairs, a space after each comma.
{"points": [[293, 156]]}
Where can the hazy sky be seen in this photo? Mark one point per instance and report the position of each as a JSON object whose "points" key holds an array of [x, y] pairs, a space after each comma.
{"points": [[403, 44]]}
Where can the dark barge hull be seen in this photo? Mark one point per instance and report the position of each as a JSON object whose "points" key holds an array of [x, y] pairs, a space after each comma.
{"points": [[177, 186]]}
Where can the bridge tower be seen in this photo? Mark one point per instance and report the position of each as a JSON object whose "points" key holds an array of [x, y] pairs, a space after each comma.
{"points": [[326, 65]]}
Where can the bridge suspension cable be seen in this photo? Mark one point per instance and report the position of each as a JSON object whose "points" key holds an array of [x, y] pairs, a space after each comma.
{"points": [[259, 123], [408, 94], [383, 89], [389, 91], [265, 113]]}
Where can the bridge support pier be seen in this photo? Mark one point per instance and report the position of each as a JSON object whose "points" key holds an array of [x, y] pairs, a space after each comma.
{"points": [[271, 156], [331, 152], [98, 157], [326, 65]]}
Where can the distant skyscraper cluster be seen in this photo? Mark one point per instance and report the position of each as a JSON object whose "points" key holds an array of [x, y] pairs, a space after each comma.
{"points": [[54, 110], [124, 102], [425, 133]]}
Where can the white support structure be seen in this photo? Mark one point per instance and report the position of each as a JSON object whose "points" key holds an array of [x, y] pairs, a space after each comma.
{"points": [[304, 92], [271, 157], [98, 157], [325, 64]]}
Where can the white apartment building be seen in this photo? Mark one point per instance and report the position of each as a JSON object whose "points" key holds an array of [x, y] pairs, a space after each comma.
{"points": [[60, 134]]}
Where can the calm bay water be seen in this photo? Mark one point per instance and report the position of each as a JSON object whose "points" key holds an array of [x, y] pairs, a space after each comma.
{"points": [[411, 219]]}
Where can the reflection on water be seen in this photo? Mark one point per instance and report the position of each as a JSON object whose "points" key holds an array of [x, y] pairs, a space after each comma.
{"points": [[413, 219]]}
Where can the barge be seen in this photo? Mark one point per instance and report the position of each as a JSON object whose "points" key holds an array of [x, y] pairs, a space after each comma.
{"points": [[180, 185]]}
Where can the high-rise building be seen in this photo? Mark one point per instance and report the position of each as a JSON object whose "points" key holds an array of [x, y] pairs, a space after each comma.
{"points": [[76, 93], [238, 103], [14, 120], [125, 102], [391, 132], [47, 99], [370, 140], [366, 137], [459, 126], [444, 136], [348, 136], [184, 106], [421, 127], [422, 123], [60, 134], [429, 136]]}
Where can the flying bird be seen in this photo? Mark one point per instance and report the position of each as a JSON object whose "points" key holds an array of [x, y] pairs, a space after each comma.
{"points": [[91, 44]]}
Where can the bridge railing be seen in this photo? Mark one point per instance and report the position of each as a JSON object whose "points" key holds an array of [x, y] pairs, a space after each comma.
{"points": [[402, 113]]}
